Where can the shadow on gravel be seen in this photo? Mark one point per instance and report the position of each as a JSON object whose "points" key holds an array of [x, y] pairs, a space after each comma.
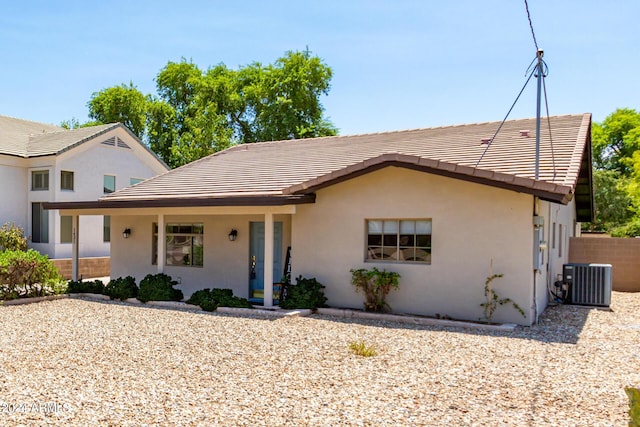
{"points": [[558, 324]]}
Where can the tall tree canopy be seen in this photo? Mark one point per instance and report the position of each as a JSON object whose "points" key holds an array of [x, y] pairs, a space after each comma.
{"points": [[196, 113], [616, 160]]}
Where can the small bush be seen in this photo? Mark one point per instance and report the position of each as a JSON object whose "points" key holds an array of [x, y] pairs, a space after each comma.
{"points": [[88, 287], [159, 287], [211, 299], [375, 285], [27, 274], [122, 288], [360, 348], [12, 238], [307, 293]]}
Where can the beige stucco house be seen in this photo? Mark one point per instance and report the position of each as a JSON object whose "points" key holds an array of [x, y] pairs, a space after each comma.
{"points": [[440, 206], [42, 163]]}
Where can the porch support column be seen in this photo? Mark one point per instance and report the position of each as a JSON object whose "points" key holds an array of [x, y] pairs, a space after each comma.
{"points": [[75, 246], [162, 244], [268, 259]]}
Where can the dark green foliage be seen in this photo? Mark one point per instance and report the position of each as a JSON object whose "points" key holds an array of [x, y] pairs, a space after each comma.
{"points": [[88, 287], [630, 229], [28, 274], [211, 299], [12, 238], [307, 293], [375, 285], [196, 113], [159, 287], [122, 288]]}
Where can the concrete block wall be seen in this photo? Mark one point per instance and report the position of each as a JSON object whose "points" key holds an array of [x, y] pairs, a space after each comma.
{"points": [[89, 267], [622, 253]]}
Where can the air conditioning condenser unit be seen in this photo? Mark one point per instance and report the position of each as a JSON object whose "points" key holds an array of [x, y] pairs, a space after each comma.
{"points": [[589, 284]]}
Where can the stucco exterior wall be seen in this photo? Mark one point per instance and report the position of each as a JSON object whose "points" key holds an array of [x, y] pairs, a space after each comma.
{"points": [[89, 162], [472, 224], [226, 263], [13, 181]]}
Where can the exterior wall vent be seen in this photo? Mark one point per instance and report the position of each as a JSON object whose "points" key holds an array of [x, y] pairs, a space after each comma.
{"points": [[589, 284], [110, 142], [114, 141], [485, 141], [524, 133]]}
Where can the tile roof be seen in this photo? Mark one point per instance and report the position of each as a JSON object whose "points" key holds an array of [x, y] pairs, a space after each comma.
{"points": [[298, 167], [23, 138]]}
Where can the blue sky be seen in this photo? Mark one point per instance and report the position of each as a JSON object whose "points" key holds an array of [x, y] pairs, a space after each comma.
{"points": [[398, 64]]}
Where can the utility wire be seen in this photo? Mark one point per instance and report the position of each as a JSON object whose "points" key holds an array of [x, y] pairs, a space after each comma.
{"points": [[546, 104], [533, 33], [505, 117]]}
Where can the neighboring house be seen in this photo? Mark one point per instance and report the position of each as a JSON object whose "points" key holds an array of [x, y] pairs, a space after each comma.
{"points": [[42, 163], [439, 206]]}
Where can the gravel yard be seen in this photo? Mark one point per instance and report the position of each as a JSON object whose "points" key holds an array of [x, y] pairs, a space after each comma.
{"points": [[76, 362]]}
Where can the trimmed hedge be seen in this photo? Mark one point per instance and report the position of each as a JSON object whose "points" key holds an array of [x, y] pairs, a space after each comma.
{"points": [[211, 299], [122, 288], [159, 287]]}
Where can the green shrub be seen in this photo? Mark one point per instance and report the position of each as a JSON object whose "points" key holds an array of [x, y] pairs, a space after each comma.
{"points": [[211, 299], [307, 293], [630, 229], [122, 288], [88, 287], [28, 274], [375, 285], [12, 238], [159, 287]]}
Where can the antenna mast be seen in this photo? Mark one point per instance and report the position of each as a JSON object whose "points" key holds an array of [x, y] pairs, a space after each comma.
{"points": [[540, 76]]}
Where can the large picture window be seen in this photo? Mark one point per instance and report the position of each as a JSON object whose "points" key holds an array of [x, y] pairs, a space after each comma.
{"points": [[184, 244], [404, 240]]}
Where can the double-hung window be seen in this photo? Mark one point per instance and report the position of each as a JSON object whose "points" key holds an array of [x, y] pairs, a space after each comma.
{"points": [[66, 180], [39, 180], [403, 240], [184, 244]]}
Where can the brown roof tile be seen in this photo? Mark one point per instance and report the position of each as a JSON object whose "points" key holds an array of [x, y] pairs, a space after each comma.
{"points": [[298, 166]]}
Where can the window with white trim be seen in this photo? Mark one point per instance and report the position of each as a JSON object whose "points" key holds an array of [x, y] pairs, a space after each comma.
{"points": [[66, 180], [39, 223], [39, 180], [66, 229], [184, 244], [109, 184], [401, 240], [106, 228]]}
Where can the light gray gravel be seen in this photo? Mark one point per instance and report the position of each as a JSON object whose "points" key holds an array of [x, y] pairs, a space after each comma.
{"points": [[85, 363]]}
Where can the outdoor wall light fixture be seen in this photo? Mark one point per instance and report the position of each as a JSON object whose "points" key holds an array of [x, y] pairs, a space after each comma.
{"points": [[233, 234], [126, 233]]}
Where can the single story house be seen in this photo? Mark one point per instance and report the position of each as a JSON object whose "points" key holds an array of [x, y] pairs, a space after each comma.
{"points": [[445, 207], [41, 163]]}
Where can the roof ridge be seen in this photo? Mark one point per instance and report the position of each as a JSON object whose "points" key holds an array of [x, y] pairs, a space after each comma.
{"points": [[29, 121]]}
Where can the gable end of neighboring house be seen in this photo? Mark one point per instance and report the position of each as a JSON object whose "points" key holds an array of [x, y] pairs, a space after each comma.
{"points": [[57, 165]]}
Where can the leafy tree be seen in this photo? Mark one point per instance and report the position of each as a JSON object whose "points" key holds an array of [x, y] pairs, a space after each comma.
{"points": [[616, 159], [124, 104], [196, 113], [616, 139], [612, 202]]}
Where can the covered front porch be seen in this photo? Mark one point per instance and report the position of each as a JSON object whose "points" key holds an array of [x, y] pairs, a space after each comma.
{"points": [[200, 247]]}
